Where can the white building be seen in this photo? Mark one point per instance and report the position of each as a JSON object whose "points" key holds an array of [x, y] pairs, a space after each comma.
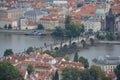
{"points": [[34, 15], [7, 22], [92, 23], [108, 63]]}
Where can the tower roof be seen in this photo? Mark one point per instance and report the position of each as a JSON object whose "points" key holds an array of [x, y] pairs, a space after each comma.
{"points": [[110, 12], [100, 11]]}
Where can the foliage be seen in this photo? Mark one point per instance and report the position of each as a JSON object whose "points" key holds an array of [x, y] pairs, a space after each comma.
{"points": [[56, 75], [56, 54], [9, 72], [84, 61], [53, 77], [5, 26], [67, 57], [85, 75], [40, 27], [58, 32], [96, 73], [117, 72], [110, 36], [8, 52], [30, 69], [70, 73], [9, 26], [76, 57], [67, 22], [100, 37], [74, 29], [30, 49], [106, 78]]}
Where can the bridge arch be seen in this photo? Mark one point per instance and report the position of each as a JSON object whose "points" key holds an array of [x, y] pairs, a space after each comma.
{"points": [[92, 41], [56, 48]]}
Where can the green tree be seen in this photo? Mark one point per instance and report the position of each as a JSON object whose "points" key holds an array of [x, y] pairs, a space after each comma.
{"points": [[96, 73], [74, 29], [84, 61], [82, 28], [76, 57], [110, 36], [40, 27], [56, 75], [67, 57], [59, 32], [85, 75], [9, 72], [9, 26], [8, 52], [53, 77], [30, 49], [67, 21], [117, 72], [30, 69], [5, 27], [106, 78], [70, 73]]}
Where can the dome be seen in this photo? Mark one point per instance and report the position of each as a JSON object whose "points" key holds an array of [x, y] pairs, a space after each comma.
{"points": [[100, 11]]}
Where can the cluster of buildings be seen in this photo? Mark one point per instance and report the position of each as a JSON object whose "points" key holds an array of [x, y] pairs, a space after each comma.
{"points": [[44, 65], [93, 14]]}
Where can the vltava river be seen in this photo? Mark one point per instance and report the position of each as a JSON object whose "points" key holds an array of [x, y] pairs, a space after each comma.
{"points": [[20, 42]]}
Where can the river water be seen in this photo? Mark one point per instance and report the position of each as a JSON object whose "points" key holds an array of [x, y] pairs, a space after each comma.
{"points": [[21, 42]]}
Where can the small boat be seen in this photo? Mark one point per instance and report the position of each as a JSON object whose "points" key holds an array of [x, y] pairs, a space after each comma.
{"points": [[35, 33]]}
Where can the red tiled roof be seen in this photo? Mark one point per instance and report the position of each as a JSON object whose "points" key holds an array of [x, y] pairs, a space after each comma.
{"points": [[7, 19], [64, 64], [87, 10], [116, 9]]}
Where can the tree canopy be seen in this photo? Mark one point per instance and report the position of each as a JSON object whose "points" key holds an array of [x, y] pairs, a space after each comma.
{"points": [[30, 69], [84, 61], [76, 57], [40, 27], [9, 72], [56, 75], [117, 72], [58, 32], [30, 49], [70, 73], [8, 52], [96, 73]]}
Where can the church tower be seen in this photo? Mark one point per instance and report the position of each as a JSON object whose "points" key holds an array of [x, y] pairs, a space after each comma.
{"points": [[110, 21]]}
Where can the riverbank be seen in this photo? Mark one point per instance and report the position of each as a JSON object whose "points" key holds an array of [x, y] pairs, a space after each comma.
{"points": [[15, 31], [108, 42], [22, 32]]}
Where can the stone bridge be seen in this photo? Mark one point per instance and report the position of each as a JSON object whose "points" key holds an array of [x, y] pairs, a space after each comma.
{"points": [[67, 43]]}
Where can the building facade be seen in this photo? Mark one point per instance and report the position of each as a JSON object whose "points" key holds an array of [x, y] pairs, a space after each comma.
{"points": [[107, 63]]}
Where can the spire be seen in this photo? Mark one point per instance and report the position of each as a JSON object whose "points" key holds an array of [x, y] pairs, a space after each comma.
{"points": [[110, 12]]}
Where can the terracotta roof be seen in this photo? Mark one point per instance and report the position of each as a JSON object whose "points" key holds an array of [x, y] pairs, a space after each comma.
{"points": [[87, 10], [7, 19], [31, 23], [116, 9], [64, 64]]}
